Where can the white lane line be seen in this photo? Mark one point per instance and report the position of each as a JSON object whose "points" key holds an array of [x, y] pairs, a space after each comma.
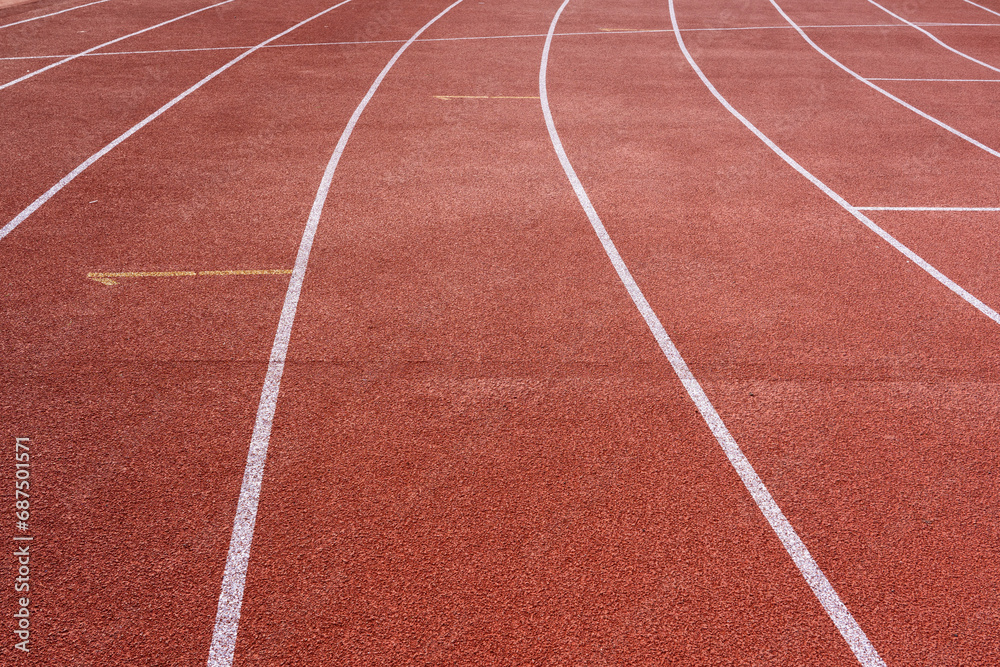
{"points": [[926, 208], [451, 39], [936, 40], [44, 16], [227, 617], [811, 572], [985, 9], [885, 92], [945, 80], [68, 178], [853, 210], [113, 41]]}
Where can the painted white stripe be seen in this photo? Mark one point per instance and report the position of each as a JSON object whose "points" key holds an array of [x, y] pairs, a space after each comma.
{"points": [[113, 41], [44, 16], [811, 572], [985, 9], [68, 178], [926, 208], [936, 40], [227, 617], [945, 80], [452, 39], [853, 210], [885, 92]]}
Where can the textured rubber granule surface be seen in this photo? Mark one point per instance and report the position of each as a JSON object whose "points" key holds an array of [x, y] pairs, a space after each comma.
{"points": [[480, 455]]}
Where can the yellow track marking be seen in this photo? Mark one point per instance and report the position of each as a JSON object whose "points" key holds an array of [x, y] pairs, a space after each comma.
{"points": [[109, 278], [248, 272], [101, 279], [484, 97]]}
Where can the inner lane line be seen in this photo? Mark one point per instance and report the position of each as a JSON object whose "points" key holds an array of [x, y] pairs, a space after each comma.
{"points": [[44, 16], [67, 59], [821, 587]]}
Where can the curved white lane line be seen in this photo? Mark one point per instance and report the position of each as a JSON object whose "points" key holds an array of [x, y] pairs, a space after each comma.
{"points": [[985, 9], [101, 46], [68, 178], [227, 618], [936, 40], [885, 92], [44, 16], [853, 210], [811, 572]]}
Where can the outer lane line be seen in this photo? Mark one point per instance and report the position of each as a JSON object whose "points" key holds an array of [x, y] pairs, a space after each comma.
{"points": [[853, 210], [985, 9], [234, 578], [113, 41], [68, 178], [811, 572], [43, 16], [455, 39], [885, 92], [936, 40]]}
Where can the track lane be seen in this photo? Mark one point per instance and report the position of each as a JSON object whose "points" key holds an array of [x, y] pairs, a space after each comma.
{"points": [[80, 30], [982, 7], [570, 595], [976, 42], [925, 159], [863, 396], [834, 125], [936, 39], [918, 55], [53, 191], [140, 397], [231, 596], [62, 61], [855, 212], [848, 627], [929, 12], [462, 469]]}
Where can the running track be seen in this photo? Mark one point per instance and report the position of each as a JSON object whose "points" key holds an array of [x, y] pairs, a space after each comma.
{"points": [[473, 443]]}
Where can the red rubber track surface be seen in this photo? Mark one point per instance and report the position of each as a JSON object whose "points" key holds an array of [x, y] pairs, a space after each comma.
{"points": [[480, 455]]}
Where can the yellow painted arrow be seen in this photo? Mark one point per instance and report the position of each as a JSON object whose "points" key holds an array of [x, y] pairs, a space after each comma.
{"points": [[110, 278]]}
